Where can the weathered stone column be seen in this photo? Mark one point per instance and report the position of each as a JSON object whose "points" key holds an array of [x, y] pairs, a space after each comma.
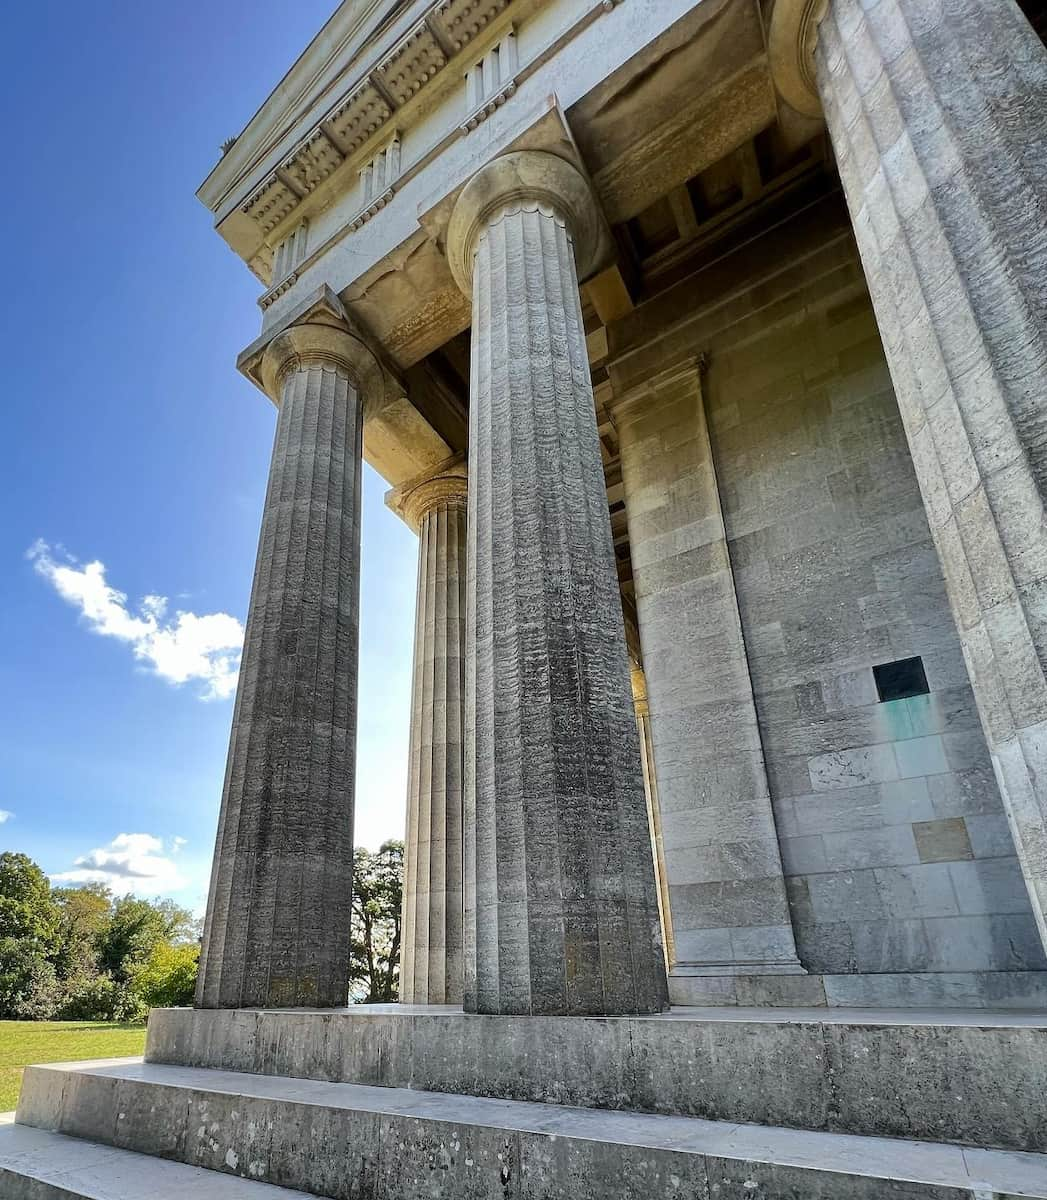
{"points": [[277, 927], [727, 898], [561, 913], [936, 113], [431, 958]]}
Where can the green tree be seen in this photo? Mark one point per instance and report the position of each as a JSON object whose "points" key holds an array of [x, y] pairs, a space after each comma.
{"points": [[167, 978], [374, 947], [28, 911], [84, 915], [29, 989], [135, 927], [29, 934]]}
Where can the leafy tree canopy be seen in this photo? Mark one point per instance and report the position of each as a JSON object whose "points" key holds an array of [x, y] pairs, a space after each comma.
{"points": [[27, 908], [167, 978], [374, 951], [135, 927], [84, 915]]}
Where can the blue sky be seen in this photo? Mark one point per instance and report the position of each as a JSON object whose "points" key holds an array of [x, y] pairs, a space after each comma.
{"points": [[136, 456]]}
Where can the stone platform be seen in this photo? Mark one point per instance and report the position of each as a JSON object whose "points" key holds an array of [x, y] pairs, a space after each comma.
{"points": [[872, 1072], [351, 1141], [414, 1103]]}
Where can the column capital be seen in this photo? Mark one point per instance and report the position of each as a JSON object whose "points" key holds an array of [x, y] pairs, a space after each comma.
{"points": [[446, 482], [525, 179], [790, 49], [637, 397], [314, 343]]}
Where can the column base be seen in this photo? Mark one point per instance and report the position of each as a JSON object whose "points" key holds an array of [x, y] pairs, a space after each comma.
{"points": [[686, 970], [971, 990]]}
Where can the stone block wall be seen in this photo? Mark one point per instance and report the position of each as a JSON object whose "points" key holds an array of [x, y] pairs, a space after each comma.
{"points": [[895, 846]]}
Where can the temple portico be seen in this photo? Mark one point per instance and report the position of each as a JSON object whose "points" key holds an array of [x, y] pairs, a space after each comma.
{"points": [[633, 399], [703, 343]]}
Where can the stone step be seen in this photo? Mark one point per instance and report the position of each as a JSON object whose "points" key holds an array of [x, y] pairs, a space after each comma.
{"points": [[946, 1076], [348, 1141], [37, 1165]]}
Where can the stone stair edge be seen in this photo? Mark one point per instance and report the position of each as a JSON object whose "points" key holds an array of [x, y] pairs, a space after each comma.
{"points": [[916, 1018], [982, 1171], [37, 1159]]}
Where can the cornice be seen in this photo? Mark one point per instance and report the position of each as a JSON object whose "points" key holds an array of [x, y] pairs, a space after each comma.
{"points": [[325, 163], [350, 28], [413, 63]]}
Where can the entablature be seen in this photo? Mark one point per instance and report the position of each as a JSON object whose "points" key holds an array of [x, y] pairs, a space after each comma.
{"points": [[295, 156], [608, 86]]}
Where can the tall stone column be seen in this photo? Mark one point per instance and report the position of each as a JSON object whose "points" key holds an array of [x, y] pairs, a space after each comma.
{"points": [[936, 113], [561, 912], [727, 897], [276, 932], [431, 957]]}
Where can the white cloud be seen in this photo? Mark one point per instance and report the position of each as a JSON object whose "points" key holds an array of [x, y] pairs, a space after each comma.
{"points": [[181, 648], [131, 862], [5, 815]]}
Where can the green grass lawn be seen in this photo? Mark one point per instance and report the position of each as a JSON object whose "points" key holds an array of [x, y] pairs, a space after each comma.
{"points": [[24, 1042]]}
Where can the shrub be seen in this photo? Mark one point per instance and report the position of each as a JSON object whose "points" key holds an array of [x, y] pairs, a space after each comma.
{"points": [[100, 998], [29, 989], [167, 978]]}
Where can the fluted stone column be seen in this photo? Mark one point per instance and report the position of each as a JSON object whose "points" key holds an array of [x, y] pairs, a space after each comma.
{"points": [[277, 927], [431, 958], [561, 912], [936, 109]]}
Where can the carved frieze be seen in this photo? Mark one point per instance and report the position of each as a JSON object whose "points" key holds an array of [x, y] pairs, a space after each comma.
{"points": [[375, 205], [491, 81], [284, 285], [356, 138], [261, 266]]}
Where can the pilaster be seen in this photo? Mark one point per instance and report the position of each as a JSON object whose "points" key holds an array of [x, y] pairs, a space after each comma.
{"points": [[726, 889]]}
